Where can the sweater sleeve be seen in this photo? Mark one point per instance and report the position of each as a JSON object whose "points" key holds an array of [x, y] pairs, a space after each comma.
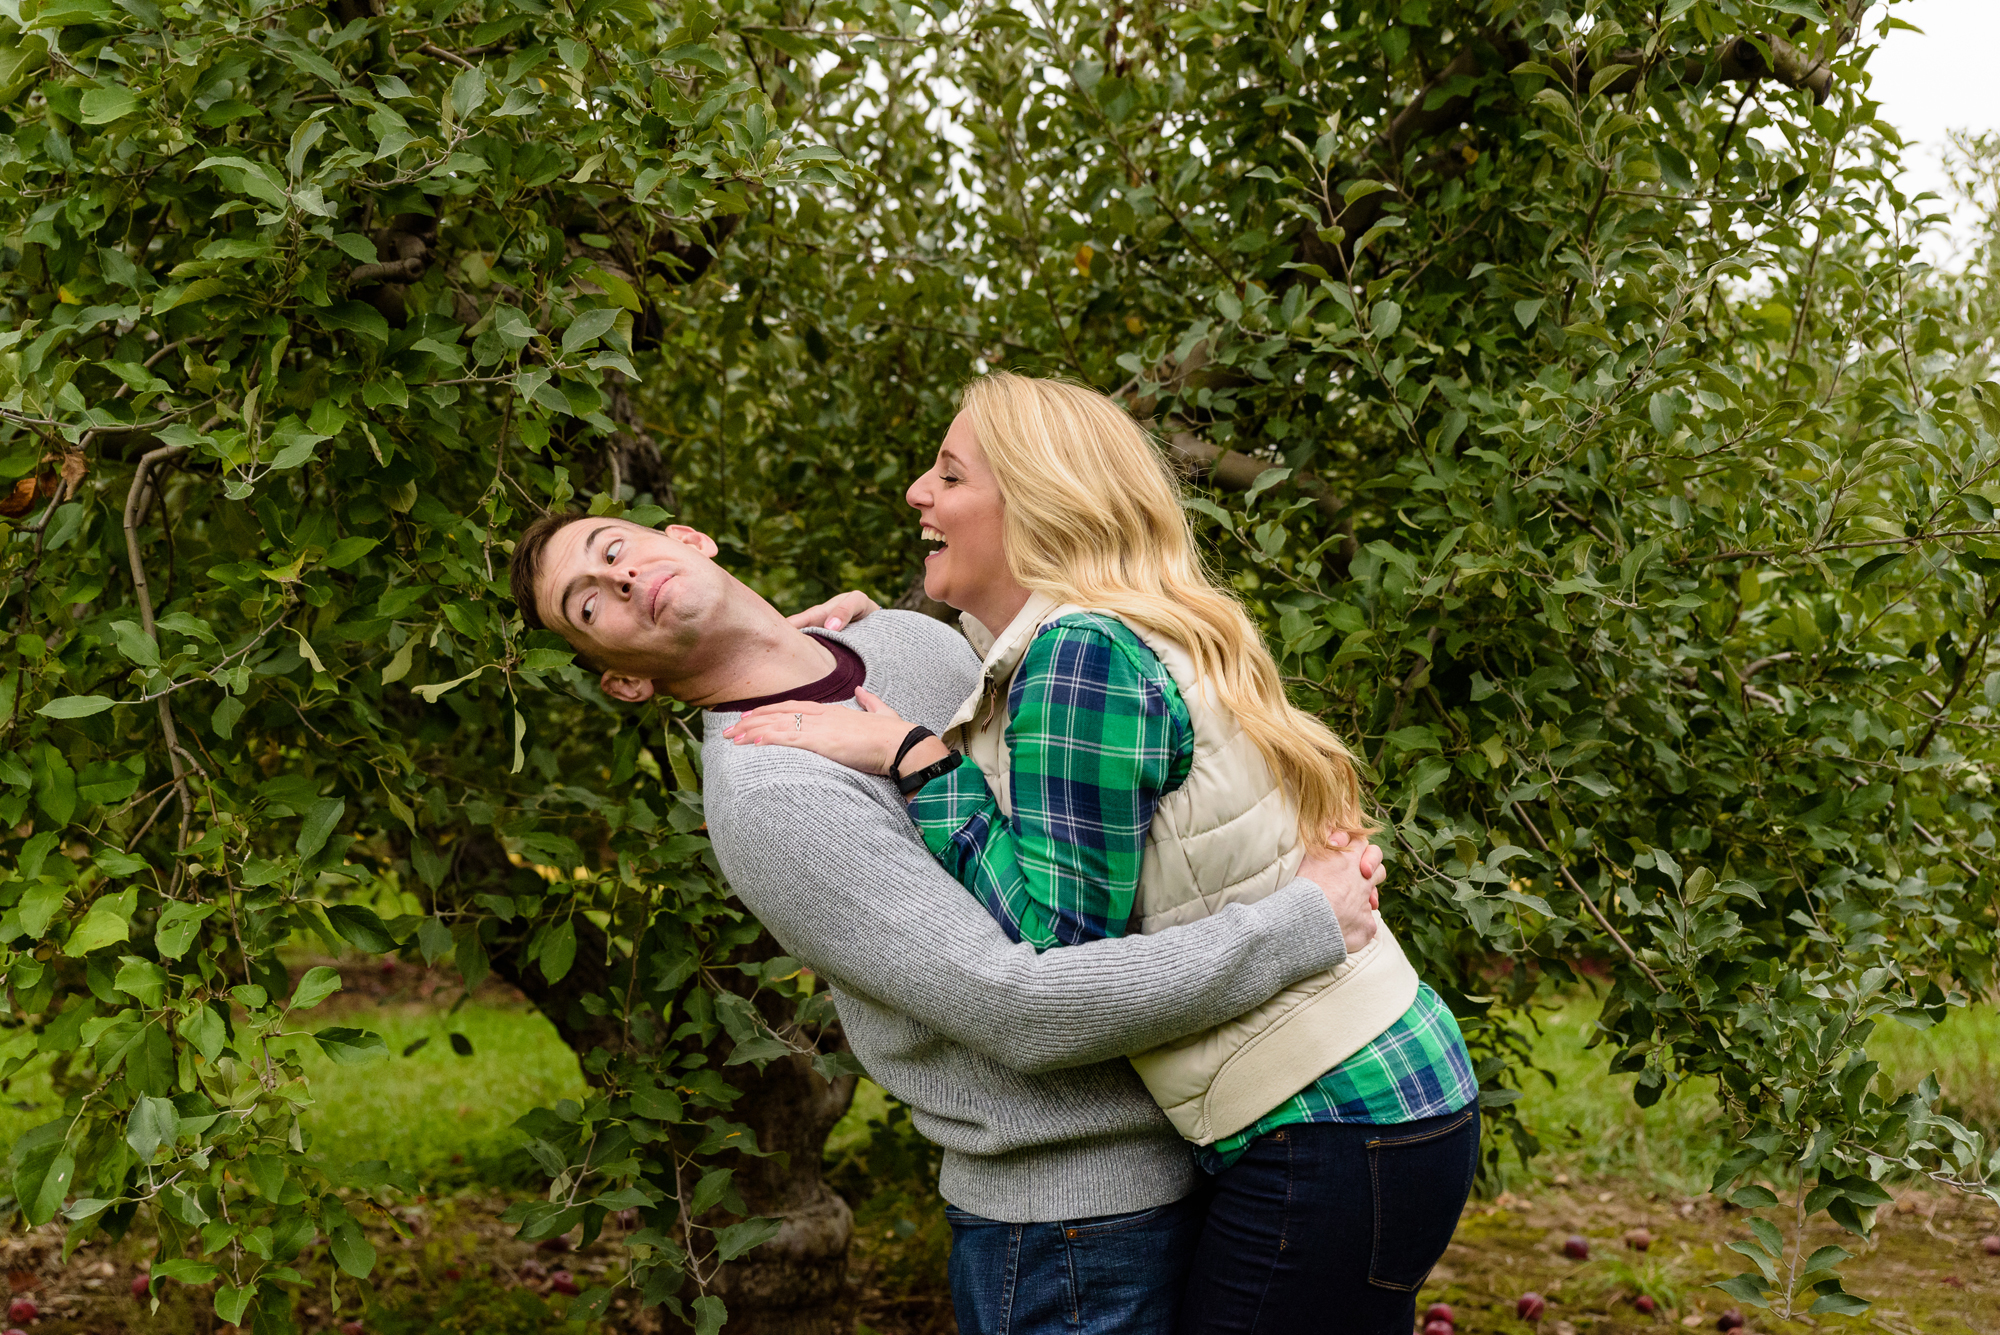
{"points": [[873, 911], [1097, 734]]}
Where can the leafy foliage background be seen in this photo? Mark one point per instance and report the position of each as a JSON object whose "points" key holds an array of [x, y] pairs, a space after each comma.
{"points": [[1575, 413]]}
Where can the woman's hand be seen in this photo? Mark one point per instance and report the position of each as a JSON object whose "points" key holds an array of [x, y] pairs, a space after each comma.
{"points": [[843, 609], [1347, 873], [864, 739]]}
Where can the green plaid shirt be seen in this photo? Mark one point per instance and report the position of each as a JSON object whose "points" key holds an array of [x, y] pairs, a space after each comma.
{"points": [[1098, 734]]}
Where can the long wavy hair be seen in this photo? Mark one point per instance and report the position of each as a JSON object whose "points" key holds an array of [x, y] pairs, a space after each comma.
{"points": [[1093, 516]]}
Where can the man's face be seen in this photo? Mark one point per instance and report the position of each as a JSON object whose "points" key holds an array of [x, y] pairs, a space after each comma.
{"points": [[636, 600]]}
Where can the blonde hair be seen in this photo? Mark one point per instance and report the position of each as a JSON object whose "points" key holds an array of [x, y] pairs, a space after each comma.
{"points": [[1094, 517]]}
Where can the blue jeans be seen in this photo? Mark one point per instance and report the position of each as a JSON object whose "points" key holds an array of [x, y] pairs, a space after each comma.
{"points": [[1330, 1227], [1115, 1275]]}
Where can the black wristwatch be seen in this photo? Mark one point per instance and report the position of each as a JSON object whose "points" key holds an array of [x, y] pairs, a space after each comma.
{"points": [[910, 783]]}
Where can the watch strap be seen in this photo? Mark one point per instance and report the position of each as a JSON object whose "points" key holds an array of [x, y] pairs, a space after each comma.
{"points": [[910, 783]]}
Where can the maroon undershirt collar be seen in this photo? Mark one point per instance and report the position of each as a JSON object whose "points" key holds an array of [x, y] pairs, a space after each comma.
{"points": [[837, 686]]}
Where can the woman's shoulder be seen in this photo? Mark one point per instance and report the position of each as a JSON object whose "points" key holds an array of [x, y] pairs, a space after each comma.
{"points": [[1083, 637]]}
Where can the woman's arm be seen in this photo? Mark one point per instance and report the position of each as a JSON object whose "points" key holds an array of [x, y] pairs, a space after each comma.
{"points": [[1097, 735]]}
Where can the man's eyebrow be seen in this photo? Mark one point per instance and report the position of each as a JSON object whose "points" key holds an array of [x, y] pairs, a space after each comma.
{"points": [[569, 590]]}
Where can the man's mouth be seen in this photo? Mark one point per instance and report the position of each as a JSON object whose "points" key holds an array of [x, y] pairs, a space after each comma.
{"points": [[931, 535], [653, 599]]}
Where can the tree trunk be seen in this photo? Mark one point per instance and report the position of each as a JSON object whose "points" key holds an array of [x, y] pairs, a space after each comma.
{"points": [[795, 1284]]}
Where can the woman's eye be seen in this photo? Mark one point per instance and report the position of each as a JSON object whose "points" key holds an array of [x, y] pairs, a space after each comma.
{"points": [[611, 551]]}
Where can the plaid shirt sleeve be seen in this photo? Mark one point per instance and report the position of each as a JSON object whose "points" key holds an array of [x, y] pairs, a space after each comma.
{"points": [[1098, 734]]}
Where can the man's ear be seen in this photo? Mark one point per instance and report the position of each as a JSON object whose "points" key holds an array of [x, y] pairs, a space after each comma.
{"points": [[632, 690], [693, 537]]}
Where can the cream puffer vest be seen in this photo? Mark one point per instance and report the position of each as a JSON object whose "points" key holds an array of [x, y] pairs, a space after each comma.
{"points": [[1227, 835]]}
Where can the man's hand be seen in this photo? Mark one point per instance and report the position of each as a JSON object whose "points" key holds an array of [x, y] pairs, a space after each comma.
{"points": [[1347, 874], [843, 609]]}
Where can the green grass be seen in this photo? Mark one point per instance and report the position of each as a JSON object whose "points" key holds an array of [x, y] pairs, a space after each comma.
{"points": [[446, 1117], [1589, 1125]]}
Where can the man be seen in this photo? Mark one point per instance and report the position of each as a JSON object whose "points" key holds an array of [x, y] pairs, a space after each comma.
{"points": [[1069, 1189]]}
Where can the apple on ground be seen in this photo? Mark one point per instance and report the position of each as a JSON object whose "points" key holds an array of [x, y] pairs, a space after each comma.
{"points": [[1730, 1320], [1991, 1244], [1645, 1304], [563, 1282], [139, 1285], [23, 1310], [1438, 1328], [1439, 1312], [1639, 1239], [352, 1328], [1577, 1248], [1530, 1306]]}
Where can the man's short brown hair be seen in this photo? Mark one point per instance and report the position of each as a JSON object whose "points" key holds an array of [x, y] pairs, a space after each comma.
{"points": [[525, 569]]}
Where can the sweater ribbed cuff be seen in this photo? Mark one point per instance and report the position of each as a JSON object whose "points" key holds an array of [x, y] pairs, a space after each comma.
{"points": [[1303, 928]]}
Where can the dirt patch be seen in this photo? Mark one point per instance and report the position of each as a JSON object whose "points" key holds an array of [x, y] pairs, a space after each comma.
{"points": [[1923, 1268]]}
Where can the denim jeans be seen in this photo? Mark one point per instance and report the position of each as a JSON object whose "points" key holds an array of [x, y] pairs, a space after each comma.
{"points": [[1115, 1275], [1330, 1227]]}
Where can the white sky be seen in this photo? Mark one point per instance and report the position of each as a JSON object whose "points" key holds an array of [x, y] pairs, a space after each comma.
{"points": [[1938, 80]]}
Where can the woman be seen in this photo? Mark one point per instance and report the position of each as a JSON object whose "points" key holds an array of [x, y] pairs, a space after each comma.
{"points": [[1136, 765]]}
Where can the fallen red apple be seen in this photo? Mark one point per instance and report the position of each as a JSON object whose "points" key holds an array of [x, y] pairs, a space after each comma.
{"points": [[1439, 1312], [1438, 1328], [352, 1328], [451, 1274], [1639, 1239], [1530, 1306], [23, 1310], [1645, 1304], [140, 1284], [1577, 1248], [17, 1332], [1730, 1320], [1991, 1242], [563, 1282]]}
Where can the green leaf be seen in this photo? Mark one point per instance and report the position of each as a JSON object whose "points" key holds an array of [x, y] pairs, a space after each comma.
{"points": [[151, 1124], [1527, 311], [185, 1271], [351, 1047], [319, 983], [359, 926], [356, 317], [588, 327], [558, 951], [433, 937], [736, 1239], [177, 924], [351, 1249], [101, 106], [142, 980], [1753, 1198], [321, 817], [709, 1314], [231, 1302], [108, 921], [76, 706], [1846, 1304]]}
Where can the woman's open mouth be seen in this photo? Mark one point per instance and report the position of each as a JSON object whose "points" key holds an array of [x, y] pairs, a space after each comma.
{"points": [[931, 535]]}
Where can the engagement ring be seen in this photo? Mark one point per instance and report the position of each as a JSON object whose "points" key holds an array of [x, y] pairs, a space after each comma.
{"points": [[798, 723]]}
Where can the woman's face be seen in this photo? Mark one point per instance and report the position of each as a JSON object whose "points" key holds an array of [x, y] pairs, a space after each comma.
{"points": [[959, 503]]}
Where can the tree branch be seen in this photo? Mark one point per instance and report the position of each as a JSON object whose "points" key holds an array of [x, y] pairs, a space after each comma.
{"points": [[1588, 902], [135, 510]]}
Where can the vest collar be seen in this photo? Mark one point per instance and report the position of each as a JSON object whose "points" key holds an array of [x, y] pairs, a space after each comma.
{"points": [[1003, 652]]}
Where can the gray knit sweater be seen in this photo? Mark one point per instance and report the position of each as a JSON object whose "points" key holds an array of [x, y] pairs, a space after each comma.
{"points": [[1008, 1059]]}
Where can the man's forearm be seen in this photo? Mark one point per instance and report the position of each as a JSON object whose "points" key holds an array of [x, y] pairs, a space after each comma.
{"points": [[877, 914]]}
